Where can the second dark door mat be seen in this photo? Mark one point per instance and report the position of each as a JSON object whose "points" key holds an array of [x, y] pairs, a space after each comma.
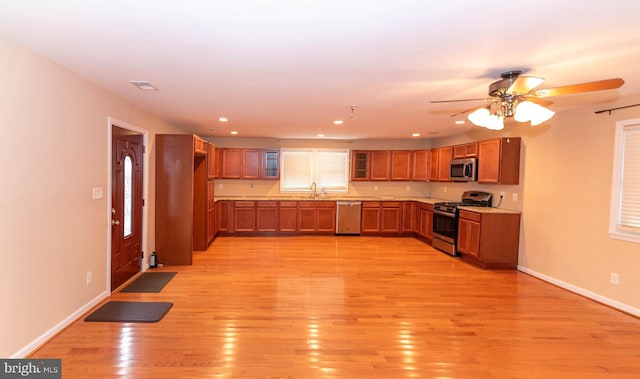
{"points": [[128, 311], [149, 282]]}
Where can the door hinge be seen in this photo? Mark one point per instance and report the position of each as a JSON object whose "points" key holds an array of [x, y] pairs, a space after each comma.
{"points": [[142, 255], [143, 202], [144, 149]]}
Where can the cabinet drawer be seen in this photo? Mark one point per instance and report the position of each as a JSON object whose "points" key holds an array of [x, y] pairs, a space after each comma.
{"points": [[244, 204], [470, 216], [371, 204], [427, 207], [288, 204], [391, 204], [267, 204]]}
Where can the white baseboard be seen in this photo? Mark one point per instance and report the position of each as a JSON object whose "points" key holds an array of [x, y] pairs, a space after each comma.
{"points": [[581, 291], [33, 345]]}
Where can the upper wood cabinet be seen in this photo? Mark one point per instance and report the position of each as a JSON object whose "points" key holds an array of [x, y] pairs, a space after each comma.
{"points": [[401, 164], [499, 161], [270, 164], [231, 163], [434, 167], [199, 146], [420, 160], [211, 161], [360, 165], [380, 165], [251, 165], [468, 150], [444, 162]]}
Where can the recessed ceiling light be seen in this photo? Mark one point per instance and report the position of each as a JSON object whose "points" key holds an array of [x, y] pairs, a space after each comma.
{"points": [[234, 132], [338, 122], [145, 86], [320, 135], [415, 135], [223, 119], [459, 122]]}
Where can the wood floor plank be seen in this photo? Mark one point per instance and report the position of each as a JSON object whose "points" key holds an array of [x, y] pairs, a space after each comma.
{"points": [[352, 307]]}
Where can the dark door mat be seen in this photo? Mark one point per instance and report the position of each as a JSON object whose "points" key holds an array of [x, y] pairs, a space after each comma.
{"points": [[149, 282], [127, 311]]}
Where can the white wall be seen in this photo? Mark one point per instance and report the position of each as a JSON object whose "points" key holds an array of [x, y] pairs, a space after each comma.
{"points": [[53, 151]]}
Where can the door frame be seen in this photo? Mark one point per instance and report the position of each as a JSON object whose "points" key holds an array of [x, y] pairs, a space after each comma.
{"points": [[114, 122]]}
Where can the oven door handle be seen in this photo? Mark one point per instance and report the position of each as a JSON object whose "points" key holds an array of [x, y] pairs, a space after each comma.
{"points": [[446, 214]]}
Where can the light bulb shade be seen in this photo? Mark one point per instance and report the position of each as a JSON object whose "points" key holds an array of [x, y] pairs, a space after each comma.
{"points": [[495, 122], [480, 117], [530, 111]]}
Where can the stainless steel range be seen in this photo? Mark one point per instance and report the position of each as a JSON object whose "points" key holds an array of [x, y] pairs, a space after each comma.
{"points": [[445, 219]]}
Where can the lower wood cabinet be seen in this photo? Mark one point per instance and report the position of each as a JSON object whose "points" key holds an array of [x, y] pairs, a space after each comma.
{"points": [[381, 217], [266, 216], [317, 217], [244, 216], [425, 227], [288, 216], [489, 240]]}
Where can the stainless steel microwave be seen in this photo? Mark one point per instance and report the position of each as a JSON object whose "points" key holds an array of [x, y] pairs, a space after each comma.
{"points": [[464, 170]]}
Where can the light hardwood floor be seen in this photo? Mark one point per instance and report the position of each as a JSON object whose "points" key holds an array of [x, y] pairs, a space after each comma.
{"points": [[352, 307]]}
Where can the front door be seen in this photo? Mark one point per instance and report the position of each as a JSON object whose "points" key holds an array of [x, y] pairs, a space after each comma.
{"points": [[126, 201]]}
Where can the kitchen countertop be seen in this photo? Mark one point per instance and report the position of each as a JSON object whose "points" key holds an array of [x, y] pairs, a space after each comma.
{"points": [[425, 200]]}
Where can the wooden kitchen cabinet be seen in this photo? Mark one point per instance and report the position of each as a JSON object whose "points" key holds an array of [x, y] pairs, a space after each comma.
{"points": [[426, 221], [270, 164], [370, 220], [360, 165], [244, 216], [391, 217], [211, 161], [420, 161], [317, 217], [211, 212], [181, 223], [251, 164], [267, 216], [489, 240], [231, 163], [499, 161], [224, 216], [401, 165], [410, 211], [467, 150], [444, 162], [288, 216], [380, 165], [434, 166]]}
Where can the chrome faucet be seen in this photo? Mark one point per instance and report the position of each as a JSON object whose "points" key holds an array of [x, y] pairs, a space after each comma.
{"points": [[314, 192]]}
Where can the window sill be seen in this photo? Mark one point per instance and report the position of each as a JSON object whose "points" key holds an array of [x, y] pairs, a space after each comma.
{"points": [[624, 236]]}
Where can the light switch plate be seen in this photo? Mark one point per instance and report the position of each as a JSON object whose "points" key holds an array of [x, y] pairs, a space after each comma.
{"points": [[98, 193]]}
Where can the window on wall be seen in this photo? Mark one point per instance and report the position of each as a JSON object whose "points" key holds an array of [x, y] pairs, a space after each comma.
{"points": [[327, 168], [625, 192]]}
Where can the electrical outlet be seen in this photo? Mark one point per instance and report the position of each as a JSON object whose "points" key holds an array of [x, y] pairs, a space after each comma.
{"points": [[445, 189], [615, 278], [375, 188], [515, 196], [408, 187], [89, 277], [501, 194]]}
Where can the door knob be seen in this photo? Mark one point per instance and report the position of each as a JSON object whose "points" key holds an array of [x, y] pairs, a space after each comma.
{"points": [[115, 222]]}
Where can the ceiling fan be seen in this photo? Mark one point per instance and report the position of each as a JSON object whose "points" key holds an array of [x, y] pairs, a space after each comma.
{"points": [[515, 96]]}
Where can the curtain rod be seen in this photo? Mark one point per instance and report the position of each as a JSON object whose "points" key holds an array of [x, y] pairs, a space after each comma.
{"points": [[615, 109]]}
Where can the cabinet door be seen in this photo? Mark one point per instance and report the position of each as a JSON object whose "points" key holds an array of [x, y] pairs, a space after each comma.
{"points": [[489, 161], [380, 161], [288, 220], [360, 169], [244, 216], [469, 237], [409, 217], [211, 161], [401, 165], [391, 217], [307, 216], [223, 216], [420, 165], [211, 207], [326, 217], [231, 161], [271, 164], [444, 163], [433, 165], [370, 222], [251, 166], [267, 216], [468, 150], [426, 221]]}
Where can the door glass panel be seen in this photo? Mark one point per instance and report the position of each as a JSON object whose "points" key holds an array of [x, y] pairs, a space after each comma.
{"points": [[128, 195]]}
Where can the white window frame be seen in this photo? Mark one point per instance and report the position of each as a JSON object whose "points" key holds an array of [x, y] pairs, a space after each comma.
{"points": [[313, 171], [616, 230]]}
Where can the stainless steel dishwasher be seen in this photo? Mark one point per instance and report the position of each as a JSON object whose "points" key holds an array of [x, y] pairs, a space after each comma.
{"points": [[348, 217]]}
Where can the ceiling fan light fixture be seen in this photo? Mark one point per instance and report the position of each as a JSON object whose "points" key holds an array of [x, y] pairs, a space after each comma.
{"points": [[480, 117], [542, 115], [530, 111], [495, 122]]}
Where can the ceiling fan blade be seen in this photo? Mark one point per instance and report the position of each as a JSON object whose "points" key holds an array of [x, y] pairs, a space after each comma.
{"points": [[537, 100], [455, 101], [579, 88], [472, 109], [524, 84]]}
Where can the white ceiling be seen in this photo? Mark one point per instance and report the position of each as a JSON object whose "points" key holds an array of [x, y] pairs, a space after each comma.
{"points": [[288, 68]]}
